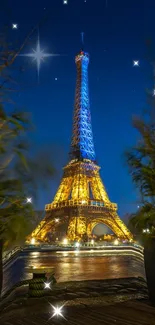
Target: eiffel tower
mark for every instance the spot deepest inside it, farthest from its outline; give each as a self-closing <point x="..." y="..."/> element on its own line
<point x="81" y="201"/>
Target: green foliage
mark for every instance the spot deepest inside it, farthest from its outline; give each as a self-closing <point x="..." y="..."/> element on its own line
<point x="21" y="174"/>
<point x="140" y="160"/>
<point x="144" y="218"/>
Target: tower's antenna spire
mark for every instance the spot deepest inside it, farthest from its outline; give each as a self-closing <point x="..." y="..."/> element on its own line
<point x="82" y="39"/>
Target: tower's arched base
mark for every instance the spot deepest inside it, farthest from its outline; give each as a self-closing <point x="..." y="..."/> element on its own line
<point x="76" y="222"/>
<point x="80" y="203"/>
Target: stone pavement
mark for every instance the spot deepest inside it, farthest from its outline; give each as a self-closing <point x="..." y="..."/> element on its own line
<point x="108" y="302"/>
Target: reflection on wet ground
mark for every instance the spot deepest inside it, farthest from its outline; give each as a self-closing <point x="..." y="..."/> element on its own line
<point x="75" y="266"/>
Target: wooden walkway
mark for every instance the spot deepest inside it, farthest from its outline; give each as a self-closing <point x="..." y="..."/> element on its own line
<point x="126" y="313"/>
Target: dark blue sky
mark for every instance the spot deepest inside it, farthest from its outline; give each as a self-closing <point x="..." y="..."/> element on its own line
<point x="115" y="35"/>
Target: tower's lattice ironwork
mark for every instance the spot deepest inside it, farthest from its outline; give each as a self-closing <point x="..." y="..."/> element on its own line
<point x="81" y="201"/>
<point x="82" y="145"/>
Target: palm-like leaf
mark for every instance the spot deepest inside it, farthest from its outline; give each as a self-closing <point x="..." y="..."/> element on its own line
<point x="141" y="164"/>
<point x="21" y="175"/>
<point x="144" y="217"/>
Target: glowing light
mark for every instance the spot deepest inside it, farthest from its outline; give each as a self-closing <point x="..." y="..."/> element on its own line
<point x="116" y="242"/>
<point x="57" y="311"/>
<point x="92" y="241"/>
<point x="83" y="201"/>
<point x="147" y="230"/>
<point x="56" y="79"/>
<point x="47" y="285"/>
<point x="57" y="220"/>
<point x="65" y="241"/>
<point x="14" y="26"/>
<point x="38" y="55"/>
<point x="33" y="241"/>
<point x="29" y="200"/>
<point x="153" y="92"/>
<point x="65" y="2"/>
<point x="136" y="63"/>
<point x="77" y="244"/>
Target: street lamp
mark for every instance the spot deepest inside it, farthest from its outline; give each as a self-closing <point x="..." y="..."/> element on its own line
<point x="147" y="230"/>
<point x="116" y="242"/>
<point x="65" y="241"/>
<point x="33" y="241"/>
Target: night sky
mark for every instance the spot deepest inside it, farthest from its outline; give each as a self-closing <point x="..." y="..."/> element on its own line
<point x="115" y="35"/>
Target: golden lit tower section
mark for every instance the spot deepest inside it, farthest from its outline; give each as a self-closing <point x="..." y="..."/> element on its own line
<point x="81" y="201"/>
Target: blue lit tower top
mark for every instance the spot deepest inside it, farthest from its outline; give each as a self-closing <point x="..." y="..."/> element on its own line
<point x="82" y="145"/>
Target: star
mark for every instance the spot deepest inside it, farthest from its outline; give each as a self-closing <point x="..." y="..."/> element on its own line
<point x="29" y="200"/>
<point x="136" y="63"/>
<point x="47" y="285"/>
<point x="57" y="311"/>
<point x="14" y="26"/>
<point x="38" y="55"/>
<point x="56" y="79"/>
<point x="65" y="2"/>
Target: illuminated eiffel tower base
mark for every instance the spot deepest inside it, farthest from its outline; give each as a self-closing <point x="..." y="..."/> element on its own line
<point x="81" y="201"/>
<point x="74" y="208"/>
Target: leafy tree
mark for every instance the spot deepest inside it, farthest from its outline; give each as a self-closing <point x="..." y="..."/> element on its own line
<point x="20" y="176"/>
<point x="21" y="172"/>
<point x="141" y="165"/>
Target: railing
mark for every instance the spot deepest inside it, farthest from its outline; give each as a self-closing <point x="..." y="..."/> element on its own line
<point x="83" y="202"/>
<point x="10" y="254"/>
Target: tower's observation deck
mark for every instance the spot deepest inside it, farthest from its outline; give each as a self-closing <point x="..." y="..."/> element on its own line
<point x="81" y="201"/>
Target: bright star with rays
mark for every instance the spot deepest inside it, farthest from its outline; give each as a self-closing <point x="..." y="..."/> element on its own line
<point x="38" y="55"/>
<point x="47" y="285"/>
<point x="136" y="63"/>
<point x="14" y="26"/>
<point x="57" y="311"/>
<point x="29" y="200"/>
